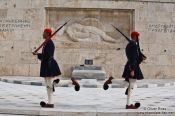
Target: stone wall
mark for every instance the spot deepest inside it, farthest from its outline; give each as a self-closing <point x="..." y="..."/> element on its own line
<point x="88" y="35"/>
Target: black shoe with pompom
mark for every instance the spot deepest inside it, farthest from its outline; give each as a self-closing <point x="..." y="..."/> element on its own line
<point x="109" y="81"/>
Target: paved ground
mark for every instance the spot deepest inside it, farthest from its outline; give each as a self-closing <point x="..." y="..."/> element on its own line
<point x="18" y="99"/>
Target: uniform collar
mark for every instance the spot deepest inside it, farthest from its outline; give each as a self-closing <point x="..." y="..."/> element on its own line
<point x="134" y="41"/>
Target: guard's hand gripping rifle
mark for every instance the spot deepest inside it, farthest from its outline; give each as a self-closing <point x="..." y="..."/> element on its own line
<point x="141" y="55"/>
<point x="49" y="38"/>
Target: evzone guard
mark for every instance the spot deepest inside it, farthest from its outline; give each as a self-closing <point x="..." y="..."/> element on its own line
<point x="49" y="67"/>
<point x="132" y="71"/>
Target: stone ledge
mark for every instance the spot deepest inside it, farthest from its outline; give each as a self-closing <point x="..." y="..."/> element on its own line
<point x="87" y="68"/>
<point x="89" y="83"/>
<point x="60" y="112"/>
<point x="89" y="74"/>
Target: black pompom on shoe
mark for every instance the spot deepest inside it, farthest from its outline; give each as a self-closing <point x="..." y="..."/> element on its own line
<point x="137" y="105"/>
<point x="109" y="81"/>
<point x="105" y="86"/>
<point x="42" y="103"/>
<point x="77" y="86"/>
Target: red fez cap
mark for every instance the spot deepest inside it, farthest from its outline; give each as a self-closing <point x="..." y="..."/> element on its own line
<point x="48" y="30"/>
<point x="135" y="33"/>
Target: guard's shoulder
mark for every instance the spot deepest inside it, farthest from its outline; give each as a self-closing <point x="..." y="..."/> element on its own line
<point x="132" y="43"/>
<point x="50" y="42"/>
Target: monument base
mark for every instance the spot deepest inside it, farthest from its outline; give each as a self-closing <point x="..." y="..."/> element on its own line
<point x="88" y="72"/>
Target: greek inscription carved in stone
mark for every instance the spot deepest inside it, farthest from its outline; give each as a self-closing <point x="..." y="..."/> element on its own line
<point x="10" y="25"/>
<point x="161" y="28"/>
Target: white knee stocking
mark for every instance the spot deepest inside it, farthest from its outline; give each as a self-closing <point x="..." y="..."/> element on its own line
<point x="130" y="89"/>
<point x="49" y="87"/>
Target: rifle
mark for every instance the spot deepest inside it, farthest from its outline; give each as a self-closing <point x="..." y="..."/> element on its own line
<point x="49" y="38"/>
<point x="127" y="38"/>
<point x="141" y="55"/>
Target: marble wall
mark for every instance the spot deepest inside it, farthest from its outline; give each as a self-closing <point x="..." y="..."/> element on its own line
<point x="89" y="34"/>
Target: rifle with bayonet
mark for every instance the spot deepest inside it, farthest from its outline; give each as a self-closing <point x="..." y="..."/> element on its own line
<point x="50" y="37"/>
<point x="142" y="57"/>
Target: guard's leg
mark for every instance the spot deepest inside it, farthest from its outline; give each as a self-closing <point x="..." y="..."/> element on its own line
<point x="130" y="90"/>
<point x="49" y="88"/>
<point x="55" y="82"/>
<point x="107" y="82"/>
<point x="74" y="82"/>
<point x="125" y="84"/>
